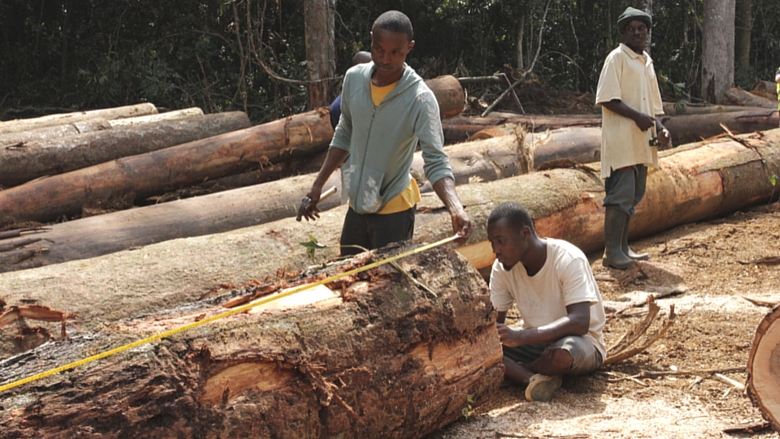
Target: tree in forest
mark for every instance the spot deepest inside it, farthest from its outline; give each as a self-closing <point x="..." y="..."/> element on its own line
<point x="717" y="71"/>
<point x="320" y="49"/>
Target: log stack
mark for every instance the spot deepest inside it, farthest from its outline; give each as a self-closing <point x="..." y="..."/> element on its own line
<point x="382" y="358"/>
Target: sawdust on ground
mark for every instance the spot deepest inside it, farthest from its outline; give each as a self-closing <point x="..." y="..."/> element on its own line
<point x="715" y="327"/>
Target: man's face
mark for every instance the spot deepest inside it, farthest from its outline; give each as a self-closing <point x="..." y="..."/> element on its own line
<point x="389" y="50"/>
<point x="635" y="35"/>
<point x="509" y="244"/>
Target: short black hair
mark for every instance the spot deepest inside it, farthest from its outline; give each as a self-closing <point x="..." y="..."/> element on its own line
<point x="515" y="214"/>
<point x="395" y="21"/>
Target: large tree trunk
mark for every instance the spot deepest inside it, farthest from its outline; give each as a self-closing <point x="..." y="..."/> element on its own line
<point x="695" y="127"/>
<point x="671" y="108"/>
<point x="717" y="73"/>
<point x="168" y="115"/>
<point x="320" y="49"/>
<point x="388" y="360"/>
<point x="167" y="169"/>
<point x="695" y="182"/>
<point x="461" y="129"/>
<point x="743" y="27"/>
<point x="737" y="96"/>
<point x="449" y="94"/>
<point x="484" y="160"/>
<point x="18" y="139"/>
<point x="763" y="374"/>
<point x="14" y="126"/>
<point x="35" y="159"/>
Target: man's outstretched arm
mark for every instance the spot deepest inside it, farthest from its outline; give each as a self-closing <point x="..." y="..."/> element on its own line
<point x="333" y="160"/>
<point x="461" y="223"/>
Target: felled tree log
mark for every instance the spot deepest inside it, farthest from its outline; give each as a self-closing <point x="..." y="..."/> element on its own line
<point x="695" y="182"/>
<point x="449" y="94"/>
<point x="472" y="162"/>
<point x="671" y="109"/>
<point x="168" y="115"/>
<point x="695" y="127"/>
<point x="388" y="360"/>
<point x="31" y="160"/>
<point x="763" y="375"/>
<point x="737" y="96"/>
<point x="17" y="125"/>
<point x="167" y="169"/>
<point x="18" y="139"/>
<point x="460" y="129"/>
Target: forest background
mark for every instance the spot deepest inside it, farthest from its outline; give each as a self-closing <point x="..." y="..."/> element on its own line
<point x="251" y="55"/>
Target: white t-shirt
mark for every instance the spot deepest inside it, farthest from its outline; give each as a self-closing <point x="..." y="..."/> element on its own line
<point x="565" y="279"/>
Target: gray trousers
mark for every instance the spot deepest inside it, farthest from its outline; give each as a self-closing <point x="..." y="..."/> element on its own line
<point x="625" y="188"/>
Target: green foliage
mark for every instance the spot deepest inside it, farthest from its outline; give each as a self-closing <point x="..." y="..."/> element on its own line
<point x="312" y="245"/>
<point x="67" y="54"/>
<point x="467" y="409"/>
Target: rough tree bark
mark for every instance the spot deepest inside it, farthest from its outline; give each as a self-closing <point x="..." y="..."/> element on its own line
<point x="167" y="169"/>
<point x="168" y="115"/>
<point x="17" y="139"/>
<point x="13" y="126"/>
<point x="694" y="127"/>
<point x="743" y="27"/>
<point x="763" y="373"/>
<point x="320" y="49"/>
<point x="717" y="73"/>
<point x="695" y="182"/>
<point x="386" y="359"/>
<point x="35" y="159"/>
<point x="737" y="96"/>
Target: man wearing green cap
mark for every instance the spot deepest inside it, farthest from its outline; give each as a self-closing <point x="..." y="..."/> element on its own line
<point x="630" y="99"/>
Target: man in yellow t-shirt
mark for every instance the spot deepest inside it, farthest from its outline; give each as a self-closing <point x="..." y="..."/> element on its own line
<point x="387" y="111"/>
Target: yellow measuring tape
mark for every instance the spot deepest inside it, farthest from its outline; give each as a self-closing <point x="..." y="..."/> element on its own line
<point x="233" y="311"/>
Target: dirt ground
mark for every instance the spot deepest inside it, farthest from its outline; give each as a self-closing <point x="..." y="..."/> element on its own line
<point x="714" y="329"/>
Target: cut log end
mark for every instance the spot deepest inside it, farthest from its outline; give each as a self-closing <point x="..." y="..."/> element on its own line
<point x="764" y="368"/>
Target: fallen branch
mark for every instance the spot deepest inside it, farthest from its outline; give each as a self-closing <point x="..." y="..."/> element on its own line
<point x="16" y="244"/>
<point x="767" y="260"/>
<point x="737" y="385"/>
<point x="748" y="428"/>
<point x="623" y="350"/>
<point x="655" y="295"/>
<point x="19" y="232"/>
<point x="759" y="302"/>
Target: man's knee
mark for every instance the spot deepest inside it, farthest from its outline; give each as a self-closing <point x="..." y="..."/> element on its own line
<point x="560" y="360"/>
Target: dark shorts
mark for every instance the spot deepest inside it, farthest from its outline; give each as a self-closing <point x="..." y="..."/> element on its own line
<point x="625" y="188"/>
<point x="374" y="230"/>
<point x="586" y="357"/>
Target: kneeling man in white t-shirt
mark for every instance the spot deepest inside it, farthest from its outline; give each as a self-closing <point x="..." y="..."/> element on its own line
<point x="553" y="286"/>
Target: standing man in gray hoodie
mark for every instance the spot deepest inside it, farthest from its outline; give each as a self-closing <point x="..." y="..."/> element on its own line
<point x="386" y="111"/>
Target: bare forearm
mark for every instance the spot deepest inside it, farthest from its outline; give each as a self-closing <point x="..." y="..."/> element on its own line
<point x="642" y="120"/>
<point x="445" y="189"/>
<point x="461" y="223"/>
<point x="333" y="160"/>
<point x="556" y="330"/>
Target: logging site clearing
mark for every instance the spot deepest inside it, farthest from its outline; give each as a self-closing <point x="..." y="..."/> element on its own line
<point x="133" y="260"/>
<point x="720" y="289"/>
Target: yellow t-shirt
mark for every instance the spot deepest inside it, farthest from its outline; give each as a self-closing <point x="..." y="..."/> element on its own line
<point x="411" y="195"/>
